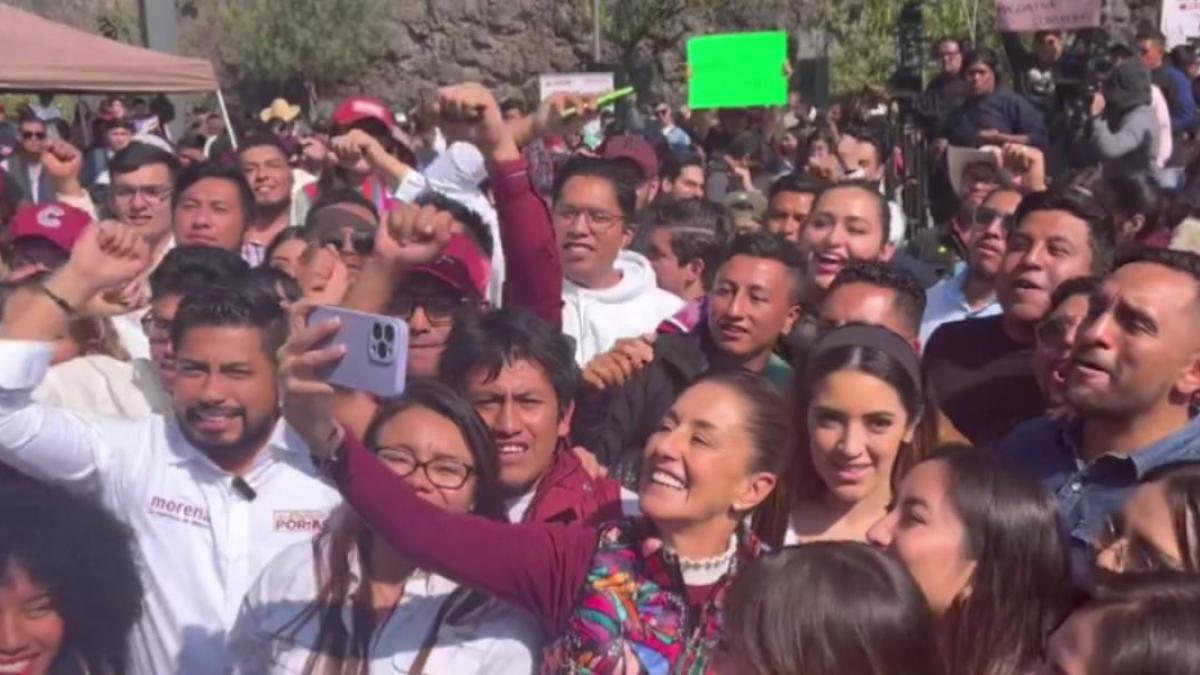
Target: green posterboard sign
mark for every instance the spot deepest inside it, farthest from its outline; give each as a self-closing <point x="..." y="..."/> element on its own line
<point x="736" y="70"/>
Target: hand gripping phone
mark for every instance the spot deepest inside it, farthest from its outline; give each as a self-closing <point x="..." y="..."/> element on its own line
<point x="376" y="351"/>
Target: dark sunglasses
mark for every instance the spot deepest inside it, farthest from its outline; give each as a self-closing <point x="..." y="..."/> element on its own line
<point x="985" y="216"/>
<point x="362" y="242"/>
<point x="40" y="135"/>
<point x="439" y="309"/>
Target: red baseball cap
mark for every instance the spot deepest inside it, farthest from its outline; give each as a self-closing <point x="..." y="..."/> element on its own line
<point x="57" y="223"/>
<point x="636" y="148"/>
<point x="463" y="267"/>
<point x="358" y="108"/>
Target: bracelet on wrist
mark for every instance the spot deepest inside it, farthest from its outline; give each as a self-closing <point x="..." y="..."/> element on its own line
<point x="56" y="299"/>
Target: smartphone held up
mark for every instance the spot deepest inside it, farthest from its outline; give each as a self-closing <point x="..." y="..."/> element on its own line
<point x="376" y="349"/>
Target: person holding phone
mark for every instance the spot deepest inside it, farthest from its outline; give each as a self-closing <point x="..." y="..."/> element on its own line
<point x="714" y="458"/>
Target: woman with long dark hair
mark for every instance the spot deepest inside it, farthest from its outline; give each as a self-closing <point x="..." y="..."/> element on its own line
<point x="983" y="541"/>
<point x="859" y="407"/>
<point x="1137" y="203"/>
<point x="69" y="587"/>
<point x="638" y="594"/>
<point x="349" y="604"/>
<point x="1131" y="624"/>
<point x="1158" y="527"/>
<point x="829" y="608"/>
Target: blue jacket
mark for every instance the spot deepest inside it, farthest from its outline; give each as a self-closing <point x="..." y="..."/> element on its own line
<point x="1089" y="494"/>
<point x="1181" y="103"/>
<point x="1002" y="110"/>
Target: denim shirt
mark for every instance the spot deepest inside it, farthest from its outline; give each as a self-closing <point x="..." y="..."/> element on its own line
<point x="1089" y="492"/>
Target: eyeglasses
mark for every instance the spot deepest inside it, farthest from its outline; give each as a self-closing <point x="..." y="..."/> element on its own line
<point x="153" y="194"/>
<point x="662" y="113"/>
<point x="361" y="241"/>
<point x="156" y="327"/>
<point x="442" y="472"/>
<point x="599" y="221"/>
<point x="27" y="135"/>
<point x="985" y="216"/>
<point x="439" y="309"/>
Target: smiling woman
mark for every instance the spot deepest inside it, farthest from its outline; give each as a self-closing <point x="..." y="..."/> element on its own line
<point x="713" y="459"/>
<point x="69" y="587"/>
<point x="860" y="408"/>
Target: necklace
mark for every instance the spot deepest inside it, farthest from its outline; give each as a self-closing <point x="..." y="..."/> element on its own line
<point x="703" y="571"/>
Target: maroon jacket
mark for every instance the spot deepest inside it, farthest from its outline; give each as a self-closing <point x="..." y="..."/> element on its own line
<point x="533" y="273"/>
<point x="567" y="494"/>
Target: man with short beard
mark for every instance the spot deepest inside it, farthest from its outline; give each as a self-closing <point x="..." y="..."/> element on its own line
<point x="213" y="491"/>
<point x="1133" y="374"/>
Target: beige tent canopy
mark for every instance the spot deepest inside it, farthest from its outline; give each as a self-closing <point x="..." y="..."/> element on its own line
<point x="39" y="54"/>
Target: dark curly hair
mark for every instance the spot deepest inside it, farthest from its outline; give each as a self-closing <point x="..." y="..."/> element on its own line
<point x="84" y="557"/>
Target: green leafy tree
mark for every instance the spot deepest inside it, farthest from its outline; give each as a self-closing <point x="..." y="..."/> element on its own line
<point x="863" y="34"/>
<point x="314" y="43"/>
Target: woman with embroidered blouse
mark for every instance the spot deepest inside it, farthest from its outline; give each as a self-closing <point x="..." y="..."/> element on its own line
<point x="638" y="595"/>
<point x="349" y="604"/>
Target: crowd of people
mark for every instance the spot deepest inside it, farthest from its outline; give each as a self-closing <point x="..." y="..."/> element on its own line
<point x="683" y="394"/>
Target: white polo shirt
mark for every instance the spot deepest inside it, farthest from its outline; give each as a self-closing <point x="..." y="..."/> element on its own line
<point x="201" y="542"/>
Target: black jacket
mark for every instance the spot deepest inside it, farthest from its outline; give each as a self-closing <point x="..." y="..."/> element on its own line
<point x="614" y="424"/>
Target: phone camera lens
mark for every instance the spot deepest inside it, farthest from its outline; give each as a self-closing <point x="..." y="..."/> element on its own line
<point x="377" y="331"/>
<point x="389" y="333"/>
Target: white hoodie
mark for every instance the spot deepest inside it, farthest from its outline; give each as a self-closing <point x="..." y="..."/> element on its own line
<point x="635" y="306"/>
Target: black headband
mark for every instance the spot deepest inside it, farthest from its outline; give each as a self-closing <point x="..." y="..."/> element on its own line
<point x="876" y="337"/>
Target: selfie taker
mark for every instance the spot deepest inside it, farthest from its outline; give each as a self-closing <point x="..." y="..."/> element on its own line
<point x="212" y="492"/>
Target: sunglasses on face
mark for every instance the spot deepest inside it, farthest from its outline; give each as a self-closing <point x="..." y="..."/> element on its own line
<point x="27" y="135"/>
<point x="985" y="216"/>
<point x="439" y="309"/>
<point x="363" y="243"/>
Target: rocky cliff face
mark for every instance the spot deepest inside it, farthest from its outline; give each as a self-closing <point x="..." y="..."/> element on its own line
<point x="505" y="43"/>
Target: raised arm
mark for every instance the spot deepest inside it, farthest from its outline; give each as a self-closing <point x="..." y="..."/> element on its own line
<point x="539" y="567"/>
<point x="42" y="441"/>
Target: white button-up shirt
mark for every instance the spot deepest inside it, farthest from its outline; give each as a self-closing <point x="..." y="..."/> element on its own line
<point x="496" y="639"/>
<point x="945" y="302"/>
<point x="201" y="542"/>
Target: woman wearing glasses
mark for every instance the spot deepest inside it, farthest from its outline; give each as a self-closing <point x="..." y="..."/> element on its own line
<point x="350" y="603"/>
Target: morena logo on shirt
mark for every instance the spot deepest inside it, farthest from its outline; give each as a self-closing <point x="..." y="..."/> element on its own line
<point x="299" y="521"/>
<point x="181" y="511"/>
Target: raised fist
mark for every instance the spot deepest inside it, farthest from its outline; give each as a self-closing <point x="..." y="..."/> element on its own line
<point x="415" y="235"/>
<point x="62" y="160"/>
<point x="107" y="255"/>
<point x="469" y="112"/>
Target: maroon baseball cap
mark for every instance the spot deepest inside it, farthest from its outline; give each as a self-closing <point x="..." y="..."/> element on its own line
<point x="635" y="148"/>
<point x="463" y="267"/>
<point x="57" y="223"/>
<point x="359" y="108"/>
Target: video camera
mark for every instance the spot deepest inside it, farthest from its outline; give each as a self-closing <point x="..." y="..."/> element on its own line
<point x="1082" y="72"/>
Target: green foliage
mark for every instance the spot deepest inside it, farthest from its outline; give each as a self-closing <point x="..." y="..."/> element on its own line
<point x="313" y="42"/>
<point x="118" y="24"/>
<point x="863" y="34"/>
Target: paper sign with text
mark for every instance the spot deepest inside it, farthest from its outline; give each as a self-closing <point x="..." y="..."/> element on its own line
<point x="737" y="70"/>
<point x="1031" y="15"/>
<point x="575" y="83"/>
<point x="1180" y="21"/>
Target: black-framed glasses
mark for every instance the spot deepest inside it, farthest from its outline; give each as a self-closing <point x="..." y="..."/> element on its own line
<point x="361" y="241"/>
<point x="27" y="135"/>
<point x="439" y="309"/>
<point x="154" y="194"/>
<point x="442" y="472"/>
<point x="598" y="221"/>
<point x="985" y="216"/>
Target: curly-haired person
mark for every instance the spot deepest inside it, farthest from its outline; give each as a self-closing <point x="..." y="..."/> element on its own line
<point x="69" y="587"/>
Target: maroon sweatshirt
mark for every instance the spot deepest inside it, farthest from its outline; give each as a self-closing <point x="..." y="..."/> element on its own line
<point x="533" y="273"/>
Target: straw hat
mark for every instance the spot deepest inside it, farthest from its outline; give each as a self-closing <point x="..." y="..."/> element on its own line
<point x="280" y="109"/>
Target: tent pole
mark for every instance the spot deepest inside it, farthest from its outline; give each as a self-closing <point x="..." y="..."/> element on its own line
<point x="225" y="116"/>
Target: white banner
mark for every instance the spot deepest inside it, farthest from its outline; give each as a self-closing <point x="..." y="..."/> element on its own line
<point x="580" y="83"/>
<point x="1180" y="21"/>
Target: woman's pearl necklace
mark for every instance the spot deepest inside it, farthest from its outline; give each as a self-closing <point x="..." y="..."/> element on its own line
<point x="703" y="571"/>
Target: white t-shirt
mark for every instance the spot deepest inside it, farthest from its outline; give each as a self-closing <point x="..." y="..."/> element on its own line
<point x="498" y="639"/>
<point x="200" y="540"/>
<point x="102" y="385"/>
